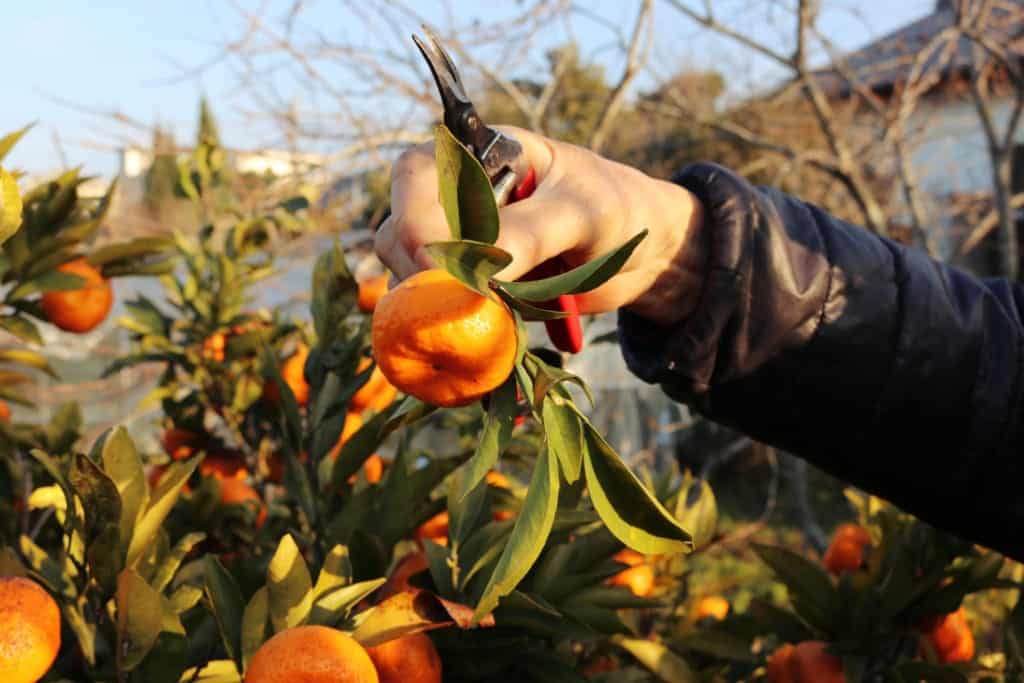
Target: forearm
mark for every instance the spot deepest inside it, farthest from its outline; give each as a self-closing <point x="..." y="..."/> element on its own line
<point x="878" y="365"/>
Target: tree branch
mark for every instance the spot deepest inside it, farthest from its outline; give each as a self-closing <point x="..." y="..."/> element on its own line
<point x="634" y="59"/>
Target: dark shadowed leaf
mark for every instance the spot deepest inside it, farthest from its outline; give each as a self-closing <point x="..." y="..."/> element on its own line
<point x="226" y="598"/>
<point x="811" y="591"/>
<point x="530" y="533"/>
<point x="661" y="661"/>
<point x="334" y="294"/>
<point x="102" y="507"/>
<point x="497" y="430"/>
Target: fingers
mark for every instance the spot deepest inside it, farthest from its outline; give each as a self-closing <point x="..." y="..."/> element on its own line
<point x="533" y="230"/>
<point x="538" y="151"/>
<point x="416" y="219"/>
<point x="536" y="230"/>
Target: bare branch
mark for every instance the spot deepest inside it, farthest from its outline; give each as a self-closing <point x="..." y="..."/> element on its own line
<point x="634" y="60"/>
<point x="707" y="20"/>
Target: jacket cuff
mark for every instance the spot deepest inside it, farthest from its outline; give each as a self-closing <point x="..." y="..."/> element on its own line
<point x="682" y="357"/>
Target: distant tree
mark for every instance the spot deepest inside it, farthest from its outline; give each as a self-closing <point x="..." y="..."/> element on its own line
<point x="162" y="175"/>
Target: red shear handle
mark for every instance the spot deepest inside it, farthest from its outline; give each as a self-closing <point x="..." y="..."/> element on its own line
<point x="565" y="333"/>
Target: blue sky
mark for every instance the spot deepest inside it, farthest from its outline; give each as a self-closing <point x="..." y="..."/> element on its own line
<point x="119" y="55"/>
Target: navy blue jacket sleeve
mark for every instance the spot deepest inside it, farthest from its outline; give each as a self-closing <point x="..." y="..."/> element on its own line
<point x="870" y="360"/>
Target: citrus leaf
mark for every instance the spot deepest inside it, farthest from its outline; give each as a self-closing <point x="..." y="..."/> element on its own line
<point x="161" y="501"/>
<point x="401" y="614"/>
<point x="564" y="435"/>
<point x="584" y="278"/>
<point x="226" y="599"/>
<point x="530" y="533"/>
<point x="122" y="464"/>
<point x="528" y="311"/>
<point x="102" y="506"/>
<point x="471" y="263"/>
<point x="335" y="572"/>
<point x="8" y="141"/>
<point x="29" y="358"/>
<point x="464" y="190"/>
<point x="135" y="248"/>
<point x="464" y="509"/>
<point x="335" y="605"/>
<point x="334" y="294"/>
<point x="661" y="661"/>
<point x="628" y="509"/>
<point x="21" y="327"/>
<point x="215" y="671"/>
<point x="408" y="412"/>
<point x="10" y="206"/>
<point x="139" y="619"/>
<point x="290" y="586"/>
<point x="360" y="446"/>
<point x="255" y="620"/>
<point x="53" y="281"/>
<point x="547" y="377"/>
<point x="83" y="630"/>
<point x="697" y="511"/>
<point x="811" y="590"/>
<point x="498" y="424"/>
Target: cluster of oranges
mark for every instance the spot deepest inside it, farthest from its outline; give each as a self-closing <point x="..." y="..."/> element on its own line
<point x="949" y="635"/>
<point x="318" y="654"/>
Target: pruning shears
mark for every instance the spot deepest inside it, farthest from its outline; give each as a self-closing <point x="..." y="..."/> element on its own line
<point x="511" y="177"/>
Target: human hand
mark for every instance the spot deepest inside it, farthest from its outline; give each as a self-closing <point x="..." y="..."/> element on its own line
<point x="584" y="205"/>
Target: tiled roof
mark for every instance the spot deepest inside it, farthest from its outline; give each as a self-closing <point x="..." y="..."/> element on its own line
<point x="888" y="61"/>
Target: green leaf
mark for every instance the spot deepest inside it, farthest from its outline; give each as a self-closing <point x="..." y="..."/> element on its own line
<point x="811" y="591"/>
<point x="530" y="533"/>
<point x="528" y="311"/>
<point x="289" y="585"/>
<point x="336" y="604"/>
<point x="471" y="263"/>
<point x="52" y="281"/>
<point x="464" y="509"/>
<point x="584" y="278"/>
<point x="29" y="358"/>
<point x="334" y="294"/>
<point x="123" y="465"/>
<point x="8" y="141"/>
<point x="547" y="377"/>
<point x="628" y="509"/>
<point x="226" y="599"/>
<point x="21" y="327"/>
<point x="697" y="511"/>
<point x="139" y="619"/>
<point x="494" y="436"/>
<point x="160" y="503"/>
<point x="661" y="661"/>
<point x="216" y="671"/>
<point x="335" y="572"/>
<point x="132" y="249"/>
<point x="357" y="449"/>
<point x="10" y="206"/>
<point x="83" y="629"/>
<point x="564" y="435"/>
<point x="255" y="623"/>
<point x="465" y="190"/>
<point x="102" y="506"/>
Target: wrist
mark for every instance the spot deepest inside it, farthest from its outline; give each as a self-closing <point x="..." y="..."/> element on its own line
<point x="681" y="259"/>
